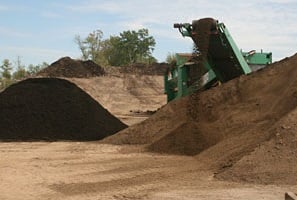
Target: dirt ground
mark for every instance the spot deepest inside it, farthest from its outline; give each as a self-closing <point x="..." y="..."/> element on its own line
<point x="88" y="170"/>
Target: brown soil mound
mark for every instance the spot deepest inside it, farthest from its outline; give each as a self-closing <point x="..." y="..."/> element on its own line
<point x="234" y="129"/>
<point x="138" y="69"/>
<point x="145" y="69"/>
<point x="53" y="109"/>
<point x="67" y="67"/>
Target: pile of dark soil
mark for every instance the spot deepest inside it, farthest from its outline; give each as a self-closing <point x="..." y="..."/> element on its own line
<point x="243" y="130"/>
<point x="67" y="67"/>
<point x="53" y="109"/>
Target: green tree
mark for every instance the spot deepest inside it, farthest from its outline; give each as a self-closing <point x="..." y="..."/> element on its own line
<point x="6" y="68"/>
<point x="91" y="46"/>
<point x="112" y="52"/>
<point x="171" y="59"/>
<point x="127" y="48"/>
<point x="33" y="69"/>
<point x="136" y="46"/>
<point x="20" y="72"/>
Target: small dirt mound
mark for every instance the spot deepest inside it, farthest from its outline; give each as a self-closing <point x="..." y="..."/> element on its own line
<point x="70" y="68"/>
<point x="53" y="109"/>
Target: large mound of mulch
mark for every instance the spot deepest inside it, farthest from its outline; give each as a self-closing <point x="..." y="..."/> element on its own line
<point x="53" y="109"/>
<point x="70" y="68"/>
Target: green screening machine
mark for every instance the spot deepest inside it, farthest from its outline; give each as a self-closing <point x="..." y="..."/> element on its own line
<point x="216" y="59"/>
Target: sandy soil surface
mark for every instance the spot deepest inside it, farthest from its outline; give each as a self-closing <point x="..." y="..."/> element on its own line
<point x="88" y="170"/>
<point x="127" y="96"/>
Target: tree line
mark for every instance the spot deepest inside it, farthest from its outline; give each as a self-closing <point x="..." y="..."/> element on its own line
<point x="11" y="73"/>
<point x="127" y="48"/>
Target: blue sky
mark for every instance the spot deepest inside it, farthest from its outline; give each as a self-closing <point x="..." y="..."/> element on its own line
<point x="40" y="31"/>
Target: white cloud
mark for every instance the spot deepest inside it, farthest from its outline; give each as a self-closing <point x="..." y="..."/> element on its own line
<point x="50" y="15"/>
<point x="9" y="32"/>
